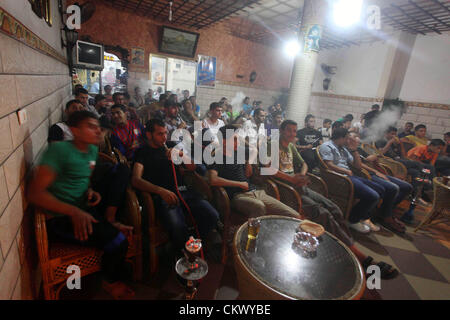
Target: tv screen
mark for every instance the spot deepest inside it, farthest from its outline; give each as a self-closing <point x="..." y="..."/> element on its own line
<point x="89" y="55"/>
<point x="178" y="42"/>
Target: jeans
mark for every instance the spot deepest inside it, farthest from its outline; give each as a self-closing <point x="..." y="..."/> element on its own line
<point x="104" y="237"/>
<point x="368" y="199"/>
<point x="392" y="192"/>
<point x="176" y="219"/>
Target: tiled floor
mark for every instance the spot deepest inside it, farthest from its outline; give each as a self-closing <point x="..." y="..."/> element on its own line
<point x="422" y="258"/>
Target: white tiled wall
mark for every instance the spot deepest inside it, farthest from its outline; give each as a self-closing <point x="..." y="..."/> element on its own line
<point x="40" y="85"/>
<point x="436" y="120"/>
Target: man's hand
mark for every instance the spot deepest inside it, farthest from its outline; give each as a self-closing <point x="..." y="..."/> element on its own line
<point x="82" y="224"/>
<point x="372" y="158"/>
<point x="182" y="125"/>
<point x="93" y="197"/>
<point x="300" y="180"/>
<point x="309" y="146"/>
<point x="126" y="230"/>
<point x="349" y="173"/>
<point x="382" y="176"/>
<point x="243" y="185"/>
<point x="169" y="197"/>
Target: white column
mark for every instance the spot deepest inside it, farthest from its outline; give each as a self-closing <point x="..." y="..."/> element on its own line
<point x="314" y="13"/>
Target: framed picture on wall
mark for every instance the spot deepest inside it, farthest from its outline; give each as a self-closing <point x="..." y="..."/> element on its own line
<point x="206" y="71"/>
<point x="178" y="42"/>
<point x="137" y="56"/>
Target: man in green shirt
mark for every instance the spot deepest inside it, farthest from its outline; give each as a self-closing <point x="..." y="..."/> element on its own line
<point x="60" y="186"/>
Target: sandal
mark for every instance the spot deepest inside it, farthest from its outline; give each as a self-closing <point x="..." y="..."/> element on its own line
<point x="118" y="290"/>
<point x="387" y="271"/>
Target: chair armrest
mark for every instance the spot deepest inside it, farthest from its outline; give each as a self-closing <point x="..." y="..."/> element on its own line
<point x="107" y="158"/>
<point x="222" y="202"/>
<point x="340" y="190"/>
<point x="198" y="183"/>
<point x="41" y="235"/>
<point x="133" y="216"/>
<point x="289" y="196"/>
<point x="148" y="207"/>
<point x="318" y="185"/>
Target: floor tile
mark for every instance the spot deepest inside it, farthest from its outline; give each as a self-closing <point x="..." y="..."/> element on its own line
<point x="429" y="289"/>
<point x="377" y="257"/>
<point x="428" y="245"/>
<point x="441" y="264"/>
<point x="396" y="289"/>
<point x="396" y="241"/>
<point x="413" y="263"/>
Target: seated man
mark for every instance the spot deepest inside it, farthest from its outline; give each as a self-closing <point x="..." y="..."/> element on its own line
<point x="309" y="139"/>
<point x="60" y="186"/>
<point x="326" y="130"/>
<point x="316" y="207"/>
<point x="214" y="122"/>
<point x="82" y="95"/>
<point x="427" y="154"/>
<point x="61" y="131"/>
<point x="442" y="163"/>
<point x="123" y="99"/>
<point x="173" y="120"/>
<point x="127" y="135"/>
<point x="187" y="114"/>
<point x="419" y="138"/>
<point x="153" y="173"/>
<point x="338" y="158"/>
<point x="407" y="130"/>
<point x="234" y="177"/>
<point x="391" y="147"/>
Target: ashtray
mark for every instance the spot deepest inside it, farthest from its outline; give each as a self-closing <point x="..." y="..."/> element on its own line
<point x="305" y="241"/>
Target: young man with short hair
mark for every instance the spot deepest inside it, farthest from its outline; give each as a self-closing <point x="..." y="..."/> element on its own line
<point x="82" y="95"/>
<point x="308" y="139"/>
<point x="214" y="122"/>
<point x="419" y="138"/>
<point x="153" y="173"/>
<point x="407" y="130"/>
<point x="108" y="95"/>
<point x="60" y="186"/>
<point x="427" y="153"/>
<point x="173" y="120"/>
<point x="61" y="131"/>
<point x="234" y="177"/>
<point x="127" y="135"/>
<point x="325" y="131"/>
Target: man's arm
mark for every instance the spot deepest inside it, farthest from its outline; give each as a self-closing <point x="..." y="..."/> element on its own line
<point x="338" y="169"/>
<point x="38" y="195"/>
<point x="216" y="181"/>
<point x="387" y="146"/>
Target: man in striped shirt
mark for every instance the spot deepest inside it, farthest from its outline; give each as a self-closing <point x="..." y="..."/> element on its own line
<point x="127" y="135"/>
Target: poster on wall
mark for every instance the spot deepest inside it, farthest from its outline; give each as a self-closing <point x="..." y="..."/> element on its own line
<point x="137" y="56"/>
<point x="312" y="38"/>
<point x="206" y="71"/>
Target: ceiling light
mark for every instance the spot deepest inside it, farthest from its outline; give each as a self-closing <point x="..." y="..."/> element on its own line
<point x="347" y="12"/>
<point x="292" y="48"/>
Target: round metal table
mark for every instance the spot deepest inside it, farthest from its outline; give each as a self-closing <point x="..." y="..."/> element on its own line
<point x="276" y="271"/>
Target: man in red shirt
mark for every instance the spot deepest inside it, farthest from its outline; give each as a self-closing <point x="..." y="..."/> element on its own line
<point x="127" y="135"/>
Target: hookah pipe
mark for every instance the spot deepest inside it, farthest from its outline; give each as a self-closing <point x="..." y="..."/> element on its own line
<point x="408" y="215"/>
<point x="183" y="202"/>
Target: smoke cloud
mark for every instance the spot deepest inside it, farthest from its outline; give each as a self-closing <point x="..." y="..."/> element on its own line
<point x="384" y="120"/>
<point x="236" y="102"/>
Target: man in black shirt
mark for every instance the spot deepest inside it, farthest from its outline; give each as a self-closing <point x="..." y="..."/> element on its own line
<point x="153" y="173"/>
<point x="234" y="177"/>
<point x="60" y="131"/>
<point x="308" y="140"/>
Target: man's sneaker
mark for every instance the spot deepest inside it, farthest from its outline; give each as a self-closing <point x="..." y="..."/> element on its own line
<point x="360" y="227"/>
<point x="371" y="225"/>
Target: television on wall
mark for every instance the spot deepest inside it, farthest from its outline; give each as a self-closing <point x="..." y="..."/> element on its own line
<point x="88" y="55"/>
<point x="178" y="42"/>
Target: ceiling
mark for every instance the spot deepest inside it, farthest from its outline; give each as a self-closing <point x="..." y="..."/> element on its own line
<point x="272" y="21"/>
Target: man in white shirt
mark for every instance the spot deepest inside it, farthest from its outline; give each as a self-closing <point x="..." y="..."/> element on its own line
<point x="213" y="122"/>
<point x="254" y="128"/>
<point x="326" y="130"/>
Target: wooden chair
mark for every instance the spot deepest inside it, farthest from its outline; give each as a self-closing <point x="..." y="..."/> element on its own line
<point x="340" y="187"/>
<point x="55" y="258"/>
<point x="441" y="203"/>
<point x="392" y="167"/>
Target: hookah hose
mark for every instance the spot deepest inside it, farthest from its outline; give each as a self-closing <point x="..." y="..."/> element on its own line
<point x="185" y="204"/>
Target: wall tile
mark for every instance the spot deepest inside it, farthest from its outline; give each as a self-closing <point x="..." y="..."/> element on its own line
<point x="6" y="145"/>
<point x="4" y="197"/>
<point x="8" y="94"/>
<point x="14" y="169"/>
<point x="9" y="273"/>
<point x="12" y="60"/>
<point x="10" y="222"/>
<point x="426" y="119"/>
